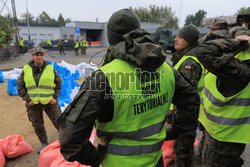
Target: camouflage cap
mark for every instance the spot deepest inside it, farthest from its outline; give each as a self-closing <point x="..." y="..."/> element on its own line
<point x="219" y="23"/>
<point x="238" y="30"/>
<point x="37" y="49"/>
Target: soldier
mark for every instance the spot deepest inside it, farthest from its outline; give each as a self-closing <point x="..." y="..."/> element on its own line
<point x="21" y="45"/>
<point x="225" y="110"/>
<point x="49" y="44"/>
<point x="60" y="46"/>
<point x="76" y="47"/>
<point x="129" y="118"/>
<point x="83" y="46"/>
<point x="187" y="64"/>
<point x="219" y="28"/>
<point x="39" y="85"/>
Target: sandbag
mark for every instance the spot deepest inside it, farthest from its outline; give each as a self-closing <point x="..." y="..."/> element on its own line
<point x="12" y="87"/>
<point x="168" y="151"/>
<point x="50" y="156"/>
<point x="2" y="159"/>
<point x="1" y="77"/>
<point x="14" y="146"/>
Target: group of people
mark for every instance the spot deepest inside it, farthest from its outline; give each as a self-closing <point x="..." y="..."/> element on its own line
<point x="129" y="99"/>
<point x="82" y="45"/>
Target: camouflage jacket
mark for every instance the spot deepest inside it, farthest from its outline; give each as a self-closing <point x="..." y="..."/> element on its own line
<point x="37" y="72"/>
<point x="190" y="69"/>
<point x="89" y="105"/>
<point x="217" y="53"/>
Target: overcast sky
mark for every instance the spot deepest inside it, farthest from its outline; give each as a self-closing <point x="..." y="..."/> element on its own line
<point x="89" y="10"/>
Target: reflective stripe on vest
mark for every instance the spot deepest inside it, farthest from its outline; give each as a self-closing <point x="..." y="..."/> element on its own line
<point x="139" y="134"/>
<point x="134" y="150"/>
<point x="201" y="81"/>
<point x="226" y="118"/>
<point x="45" y="90"/>
<point x="141" y="104"/>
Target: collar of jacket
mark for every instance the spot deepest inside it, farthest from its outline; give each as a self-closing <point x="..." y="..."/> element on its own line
<point x="179" y="54"/>
<point x="138" y="49"/>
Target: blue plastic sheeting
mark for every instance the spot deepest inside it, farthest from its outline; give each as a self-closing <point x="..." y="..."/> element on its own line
<point x="12" y="87"/>
<point x="49" y="62"/>
<point x="76" y="75"/>
<point x="1" y="77"/>
<point x="0" y="83"/>
<point x="68" y="83"/>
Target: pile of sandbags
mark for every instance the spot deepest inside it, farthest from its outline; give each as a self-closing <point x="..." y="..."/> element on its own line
<point x="13" y="146"/>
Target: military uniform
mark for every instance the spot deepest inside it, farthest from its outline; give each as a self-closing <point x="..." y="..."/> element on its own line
<point x="60" y="46"/>
<point x="232" y="76"/>
<point x="185" y="62"/>
<point x="35" y="112"/>
<point x="91" y="103"/>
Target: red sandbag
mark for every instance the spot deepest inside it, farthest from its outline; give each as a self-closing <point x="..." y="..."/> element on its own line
<point x="2" y="159"/>
<point x="50" y="156"/>
<point x="61" y="162"/>
<point x="14" y="146"/>
<point x="168" y="152"/>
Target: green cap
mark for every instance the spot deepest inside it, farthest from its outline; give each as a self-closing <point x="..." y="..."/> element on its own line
<point x="120" y="23"/>
<point x="190" y="33"/>
<point x="219" y="23"/>
<point x="238" y="30"/>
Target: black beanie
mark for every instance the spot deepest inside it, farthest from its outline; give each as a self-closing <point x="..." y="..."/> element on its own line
<point x="120" y="23"/>
<point x="190" y="33"/>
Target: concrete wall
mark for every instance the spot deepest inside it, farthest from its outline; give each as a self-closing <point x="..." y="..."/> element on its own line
<point x="39" y="33"/>
<point x="67" y="32"/>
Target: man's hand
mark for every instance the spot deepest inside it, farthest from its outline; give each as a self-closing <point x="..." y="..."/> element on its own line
<point x="52" y="101"/>
<point x="31" y="103"/>
<point x="97" y="141"/>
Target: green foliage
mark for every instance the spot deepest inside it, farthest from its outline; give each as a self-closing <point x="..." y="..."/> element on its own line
<point x="243" y="10"/>
<point x="6" y="30"/>
<point x="44" y="18"/>
<point x="24" y="18"/>
<point x="61" y="20"/>
<point x="157" y="14"/>
<point x="196" y="19"/>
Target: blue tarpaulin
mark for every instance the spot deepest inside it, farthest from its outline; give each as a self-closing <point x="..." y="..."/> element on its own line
<point x="12" y="87"/>
<point x="1" y="77"/>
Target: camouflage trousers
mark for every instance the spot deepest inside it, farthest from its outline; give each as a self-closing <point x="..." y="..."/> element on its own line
<point x="35" y="115"/>
<point x="83" y="50"/>
<point x="221" y="154"/>
<point x="184" y="149"/>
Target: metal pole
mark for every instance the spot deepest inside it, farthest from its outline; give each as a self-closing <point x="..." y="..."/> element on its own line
<point x="16" y="27"/>
<point x="180" y="14"/>
<point x="28" y="23"/>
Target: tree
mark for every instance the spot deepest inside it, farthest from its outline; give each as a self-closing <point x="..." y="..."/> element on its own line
<point x="196" y="19"/>
<point x="25" y="16"/>
<point x="61" y="20"/>
<point x="156" y="14"/>
<point x="6" y="30"/>
<point x="243" y="10"/>
<point x="44" y="18"/>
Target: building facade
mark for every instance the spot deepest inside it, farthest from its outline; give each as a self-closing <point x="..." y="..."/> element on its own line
<point x="90" y="31"/>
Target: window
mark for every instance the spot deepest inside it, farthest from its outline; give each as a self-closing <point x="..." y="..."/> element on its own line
<point x="71" y="36"/>
<point x="65" y="36"/>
